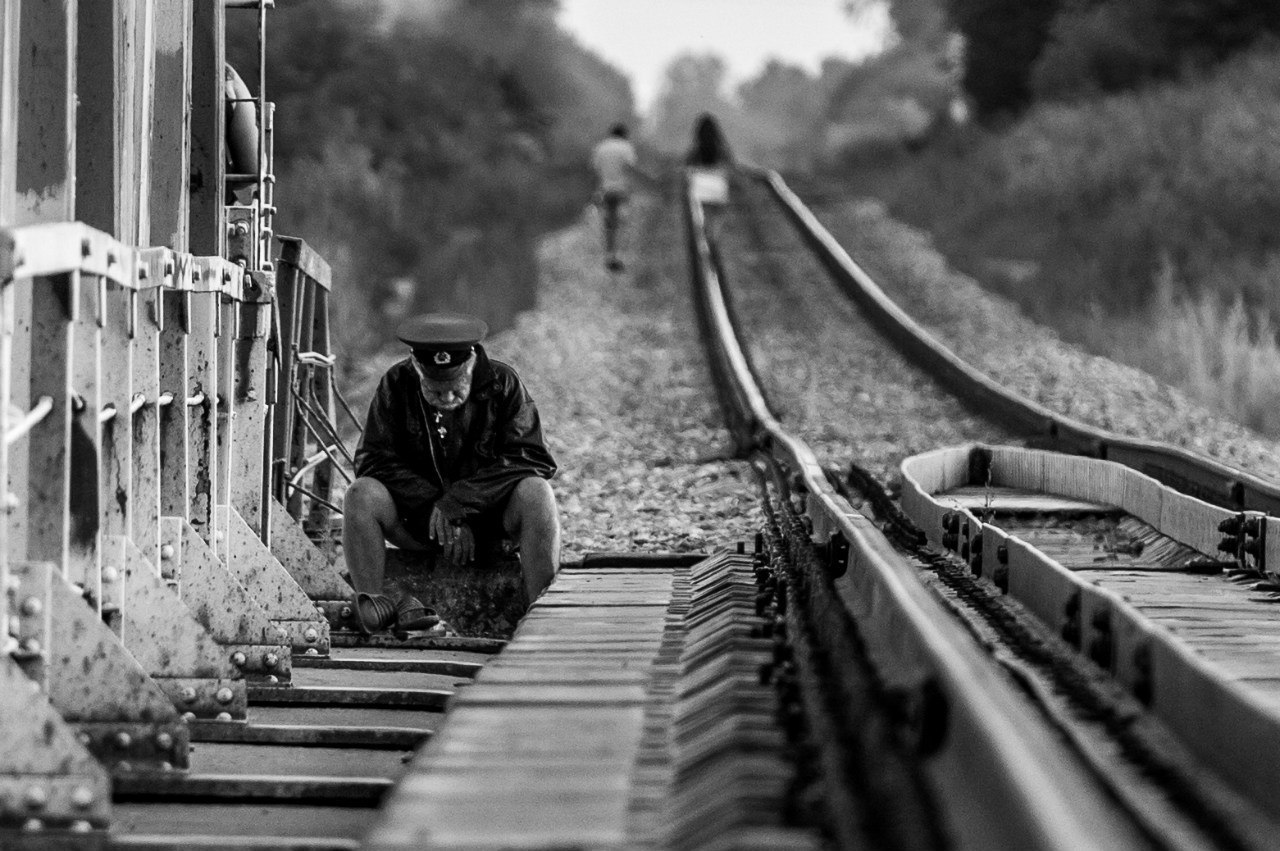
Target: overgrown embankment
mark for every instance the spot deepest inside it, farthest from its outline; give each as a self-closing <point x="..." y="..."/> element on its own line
<point x="1140" y="224"/>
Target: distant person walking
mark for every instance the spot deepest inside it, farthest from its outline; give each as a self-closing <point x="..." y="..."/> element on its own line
<point x="708" y="162"/>
<point x="614" y="160"/>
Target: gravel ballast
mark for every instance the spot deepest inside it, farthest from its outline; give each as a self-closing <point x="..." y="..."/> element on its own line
<point x="618" y="373"/>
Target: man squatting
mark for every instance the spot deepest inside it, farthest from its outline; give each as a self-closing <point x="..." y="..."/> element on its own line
<point x="452" y="454"/>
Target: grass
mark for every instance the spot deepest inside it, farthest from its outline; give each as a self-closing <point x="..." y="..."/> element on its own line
<point x="1141" y="225"/>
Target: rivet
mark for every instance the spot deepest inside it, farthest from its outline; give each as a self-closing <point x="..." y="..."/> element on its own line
<point x="124" y="766"/>
<point x="219" y="535"/>
<point x="166" y="552"/>
<point x="282" y="634"/>
<point x="188" y="694"/>
<point x="166" y="766"/>
<point x="122" y="740"/>
<point x="311" y="634"/>
<point x="224" y="716"/>
<point x="82" y="797"/>
<point x="81" y="826"/>
<point x="36" y="797"/>
<point x="238" y="659"/>
<point x="110" y="574"/>
<point x="272" y="678"/>
<point x="346" y="612"/>
<point x="84" y="738"/>
<point x="223" y="695"/>
<point x="311" y="651"/>
<point x="322" y="611"/>
<point x="11" y="501"/>
<point x="32" y="607"/>
<point x="188" y="716"/>
<point x="33" y="824"/>
<point x="164" y="741"/>
<point x="270" y="660"/>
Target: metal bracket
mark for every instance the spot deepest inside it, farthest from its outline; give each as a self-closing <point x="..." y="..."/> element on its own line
<point x="308" y="565"/>
<point x="88" y="675"/>
<point x="48" y="780"/>
<point x="274" y="588"/>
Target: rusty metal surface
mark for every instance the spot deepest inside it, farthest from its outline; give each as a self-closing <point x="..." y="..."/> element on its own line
<point x="308" y="735"/>
<point x="421" y="698"/>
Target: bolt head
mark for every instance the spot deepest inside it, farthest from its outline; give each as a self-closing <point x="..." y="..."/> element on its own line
<point x="311" y="651"/>
<point x="224" y="716"/>
<point x="122" y="740"/>
<point x="270" y="660"/>
<point x="346" y="613"/>
<point x="188" y="716"/>
<point x="238" y="659"/>
<point x="188" y="694"/>
<point x="167" y="552"/>
<point x="82" y="797"/>
<point x="36" y="797"/>
<point x="32" y="607"/>
<point x="110" y="574"/>
<point x="84" y="738"/>
<point x="123" y="766"/>
<point x="223" y="695"/>
<point x="164" y="741"/>
<point x="272" y="678"/>
<point x="33" y="824"/>
<point x="81" y="826"/>
<point x="166" y="765"/>
<point x="311" y="634"/>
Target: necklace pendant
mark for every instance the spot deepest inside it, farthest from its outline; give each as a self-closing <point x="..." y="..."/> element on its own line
<point x="441" y="431"/>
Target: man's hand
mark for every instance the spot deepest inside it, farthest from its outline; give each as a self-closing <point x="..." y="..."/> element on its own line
<point x="463" y="548"/>
<point x="457" y="542"/>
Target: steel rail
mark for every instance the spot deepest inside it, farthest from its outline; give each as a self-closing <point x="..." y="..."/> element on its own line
<point x="1021" y="801"/>
<point x="1182" y="469"/>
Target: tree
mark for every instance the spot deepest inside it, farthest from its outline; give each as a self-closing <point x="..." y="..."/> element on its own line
<point x="1003" y="39"/>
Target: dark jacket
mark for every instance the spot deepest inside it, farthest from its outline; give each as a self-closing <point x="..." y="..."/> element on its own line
<point x="501" y="444"/>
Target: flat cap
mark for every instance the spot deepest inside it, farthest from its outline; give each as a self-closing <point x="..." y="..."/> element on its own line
<point x="442" y="342"/>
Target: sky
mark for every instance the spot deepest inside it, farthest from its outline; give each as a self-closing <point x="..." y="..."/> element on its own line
<point x="642" y="36"/>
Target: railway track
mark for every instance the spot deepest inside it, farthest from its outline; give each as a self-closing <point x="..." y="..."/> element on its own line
<point x="1060" y="630"/>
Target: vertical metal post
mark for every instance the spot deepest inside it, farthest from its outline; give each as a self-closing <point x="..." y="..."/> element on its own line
<point x="298" y="440"/>
<point x="175" y="431"/>
<point x="44" y="170"/>
<point x="144" y="102"/>
<point x="202" y="384"/>
<point x="99" y="136"/>
<point x="250" y="424"/>
<point x="117" y="490"/>
<point x="83" y="565"/>
<point x="170" y="159"/>
<point x="322" y="482"/>
<point x="145" y="497"/>
<point x="54" y="302"/>
<point x="46" y="162"/>
<point x="9" y="14"/>
<point x="228" y="329"/>
<point x="208" y="231"/>
<point x="288" y="285"/>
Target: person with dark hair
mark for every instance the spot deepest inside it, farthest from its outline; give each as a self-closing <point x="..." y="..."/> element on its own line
<point x="708" y="163"/>
<point x="709" y="148"/>
<point x="452" y="455"/>
<point x="614" y="161"/>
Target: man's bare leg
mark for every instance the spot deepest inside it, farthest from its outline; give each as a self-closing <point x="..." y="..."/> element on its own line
<point x="532" y="517"/>
<point x="369" y="520"/>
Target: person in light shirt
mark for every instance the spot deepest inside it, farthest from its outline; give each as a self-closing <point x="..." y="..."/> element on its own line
<point x="614" y="161"/>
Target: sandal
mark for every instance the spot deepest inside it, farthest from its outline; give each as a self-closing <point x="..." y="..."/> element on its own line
<point x="374" y="612"/>
<point x="412" y="615"/>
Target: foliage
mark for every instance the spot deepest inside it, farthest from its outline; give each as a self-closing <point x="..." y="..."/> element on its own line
<point x="1078" y="209"/>
<point x="1003" y="39"/>
<point x="423" y="148"/>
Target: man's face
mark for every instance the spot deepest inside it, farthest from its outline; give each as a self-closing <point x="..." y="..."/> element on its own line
<point x="445" y="395"/>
